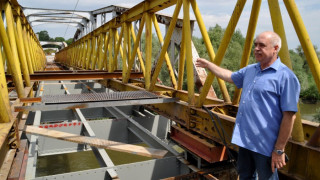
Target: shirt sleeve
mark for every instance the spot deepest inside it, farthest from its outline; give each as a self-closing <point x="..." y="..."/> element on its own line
<point x="238" y="77"/>
<point x="290" y="92"/>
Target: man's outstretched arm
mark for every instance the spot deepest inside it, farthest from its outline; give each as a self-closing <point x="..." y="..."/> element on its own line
<point x="220" y="72"/>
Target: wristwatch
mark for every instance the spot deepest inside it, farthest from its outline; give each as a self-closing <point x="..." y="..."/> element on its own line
<point x="278" y="151"/>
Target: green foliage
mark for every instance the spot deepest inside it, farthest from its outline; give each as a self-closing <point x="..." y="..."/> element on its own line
<point x="59" y="39"/>
<point x="310" y="94"/>
<point x="43" y="36"/>
<point x="69" y="41"/>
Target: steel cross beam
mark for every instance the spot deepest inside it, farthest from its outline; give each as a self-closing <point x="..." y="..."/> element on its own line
<point x="77" y="76"/>
<point x="102" y="156"/>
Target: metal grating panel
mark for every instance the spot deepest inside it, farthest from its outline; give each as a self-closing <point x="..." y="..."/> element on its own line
<point x="94" y="97"/>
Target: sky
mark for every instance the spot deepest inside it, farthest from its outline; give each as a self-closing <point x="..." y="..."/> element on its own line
<point x="213" y="12"/>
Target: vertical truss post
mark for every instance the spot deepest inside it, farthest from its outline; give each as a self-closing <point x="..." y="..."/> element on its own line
<point x="94" y="53"/>
<point x="297" y="131"/>
<point x="221" y="52"/>
<point x="118" y="47"/>
<point x="4" y="97"/>
<point x="166" y="57"/>
<point x="89" y="51"/>
<point x="13" y="61"/>
<point x="148" y="49"/>
<point x="138" y="49"/>
<point x="21" y="52"/>
<point x="182" y="58"/>
<point x="248" y="43"/>
<point x="307" y="46"/>
<point x="165" y="44"/>
<point x="26" y="49"/>
<point x="189" y="63"/>
<point x="134" y="50"/>
<point x="106" y="45"/>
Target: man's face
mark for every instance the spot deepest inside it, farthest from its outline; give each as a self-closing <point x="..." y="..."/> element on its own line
<point x="264" y="51"/>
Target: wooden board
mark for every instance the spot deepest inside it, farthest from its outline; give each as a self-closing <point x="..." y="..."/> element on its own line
<point x="101" y="143"/>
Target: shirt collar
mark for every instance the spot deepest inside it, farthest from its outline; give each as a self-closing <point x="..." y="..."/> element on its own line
<point x="275" y="65"/>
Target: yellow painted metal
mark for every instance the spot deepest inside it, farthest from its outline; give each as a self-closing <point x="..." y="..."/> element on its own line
<point x="165" y="44"/>
<point x="189" y="63"/>
<point x="148" y="50"/>
<point x="94" y="53"/>
<point x="166" y="56"/>
<point x="89" y="48"/>
<point x="182" y="57"/>
<point x="126" y="34"/>
<point x="118" y="47"/>
<point x="106" y="47"/>
<point x="12" y="60"/>
<point x="276" y="17"/>
<point x="307" y="46"/>
<point x="98" y="55"/>
<point x="135" y="49"/>
<point x="248" y="43"/>
<point x="110" y="48"/>
<point x="21" y="50"/>
<point x="222" y="49"/>
<point x="4" y="97"/>
<point x="138" y="50"/>
<point x="27" y="51"/>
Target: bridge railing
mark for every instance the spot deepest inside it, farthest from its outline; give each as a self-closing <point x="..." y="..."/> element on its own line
<point x="100" y="49"/>
<point x="20" y="53"/>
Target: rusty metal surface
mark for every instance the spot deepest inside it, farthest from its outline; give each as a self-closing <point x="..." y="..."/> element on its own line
<point x="93" y="97"/>
<point x="77" y="76"/>
<point x="202" y="148"/>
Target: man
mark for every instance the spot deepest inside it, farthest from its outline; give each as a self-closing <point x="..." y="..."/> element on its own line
<point x="270" y="93"/>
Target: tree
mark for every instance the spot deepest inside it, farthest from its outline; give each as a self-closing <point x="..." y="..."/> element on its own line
<point x="59" y="39"/>
<point x="43" y="35"/>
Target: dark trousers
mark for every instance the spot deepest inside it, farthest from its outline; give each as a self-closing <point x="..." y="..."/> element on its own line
<point x="252" y="166"/>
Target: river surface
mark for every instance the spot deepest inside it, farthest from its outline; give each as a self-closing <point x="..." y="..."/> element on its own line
<point x="308" y="111"/>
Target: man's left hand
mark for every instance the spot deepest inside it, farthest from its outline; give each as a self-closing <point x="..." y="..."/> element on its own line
<point x="277" y="161"/>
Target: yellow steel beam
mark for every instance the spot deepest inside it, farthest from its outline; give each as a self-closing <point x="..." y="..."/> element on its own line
<point x="135" y="48"/>
<point x="138" y="52"/>
<point x="189" y="63"/>
<point x="276" y="17"/>
<point x="21" y="50"/>
<point x="182" y="57"/>
<point x="125" y="58"/>
<point x="248" y="43"/>
<point x="148" y="50"/>
<point x="106" y="47"/>
<point x="166" y="56"/>
<point x="165" y="44"/>
<point x="307" y="46"/>
<point x="12" y="60"/>
<point x="118" y="47"/>
<point x="4" y="97"/>
<point x="94" y="53"/>
<point x="222" y="49"/>
<point x="27" y="51"/>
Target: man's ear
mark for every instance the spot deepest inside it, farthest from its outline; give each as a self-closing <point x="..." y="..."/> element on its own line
<point x="276" y="47"/>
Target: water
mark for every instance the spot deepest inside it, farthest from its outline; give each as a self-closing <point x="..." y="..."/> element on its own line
<point x="79" y="161"/>
<point x="308" y="110"/>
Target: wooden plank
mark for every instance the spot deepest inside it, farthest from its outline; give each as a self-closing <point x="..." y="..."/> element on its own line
<point x="6" y="166"/>
<point x="30" y="100"/>
<point x="101" y="143"/>
<point x="18" y="160"/>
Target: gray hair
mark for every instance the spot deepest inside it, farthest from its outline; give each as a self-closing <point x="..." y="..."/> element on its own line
<point x="275" y="39"/>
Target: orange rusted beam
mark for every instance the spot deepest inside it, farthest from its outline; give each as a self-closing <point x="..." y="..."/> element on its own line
<point x="77" y="76"/>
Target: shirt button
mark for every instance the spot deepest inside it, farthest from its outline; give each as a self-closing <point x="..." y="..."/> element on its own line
<point x="243" y="102"/>
<point x="254" y="81"/>
<point x="249" y="91"/>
